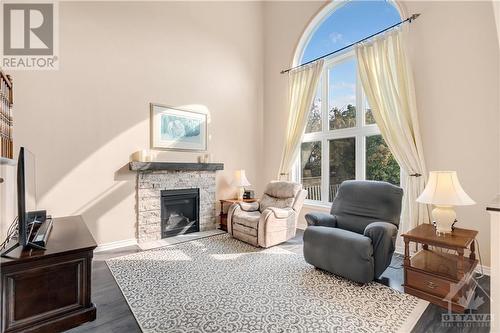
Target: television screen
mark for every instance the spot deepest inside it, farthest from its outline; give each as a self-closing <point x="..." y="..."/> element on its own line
<point x="26" y="191"/>
<point x="29" y="181"/>
<point x="26" y="202"/>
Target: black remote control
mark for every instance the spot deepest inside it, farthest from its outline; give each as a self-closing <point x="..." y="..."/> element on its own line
<point x="43" y="233"/>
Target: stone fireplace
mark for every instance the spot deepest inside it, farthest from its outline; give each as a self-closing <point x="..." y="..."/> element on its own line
<point x="189" y="186"/>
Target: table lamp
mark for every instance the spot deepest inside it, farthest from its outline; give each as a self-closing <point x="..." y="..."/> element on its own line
<point x="240" y="180"/>
<point x="443" y="190"/>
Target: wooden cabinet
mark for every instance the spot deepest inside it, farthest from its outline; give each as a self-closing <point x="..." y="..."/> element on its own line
<point x="442" y="275"/>
<point x="49" y="291"/>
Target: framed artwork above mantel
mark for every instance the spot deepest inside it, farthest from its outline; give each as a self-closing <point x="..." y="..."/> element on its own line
<point x="177" y="129"/>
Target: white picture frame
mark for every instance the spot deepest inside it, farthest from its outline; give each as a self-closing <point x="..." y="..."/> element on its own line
<point x="178" y="129"/>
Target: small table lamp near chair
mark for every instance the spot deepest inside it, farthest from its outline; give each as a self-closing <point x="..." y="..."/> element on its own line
<point x="443" y="190"/>
<point x="240" y="180"/>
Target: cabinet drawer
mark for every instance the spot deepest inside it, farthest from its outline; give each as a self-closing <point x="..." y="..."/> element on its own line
<point x="427" y="283"/>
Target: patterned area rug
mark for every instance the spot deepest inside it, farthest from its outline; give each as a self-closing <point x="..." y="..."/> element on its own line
<point x="219" y="284"/>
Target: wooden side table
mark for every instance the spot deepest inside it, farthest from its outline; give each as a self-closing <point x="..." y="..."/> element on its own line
<point x="439" y="276"/>
<point x="223" y="214"/>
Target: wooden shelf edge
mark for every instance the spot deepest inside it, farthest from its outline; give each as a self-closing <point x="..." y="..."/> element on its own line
<point x="438" y="275"/>
<point x="469" y="264"/>
<point x="426" y="234"/>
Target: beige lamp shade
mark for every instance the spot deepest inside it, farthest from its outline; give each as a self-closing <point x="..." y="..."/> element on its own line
<point x="240" y="179"/>
<point x="444" y="189"/>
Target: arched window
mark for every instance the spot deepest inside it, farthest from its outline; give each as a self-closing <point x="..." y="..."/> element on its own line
<point x="342" y="140"/>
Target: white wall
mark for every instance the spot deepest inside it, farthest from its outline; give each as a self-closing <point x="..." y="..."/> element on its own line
<point x="455" y="58"/>
<point x="84" y="120"/>
<point x="454" y="54"/>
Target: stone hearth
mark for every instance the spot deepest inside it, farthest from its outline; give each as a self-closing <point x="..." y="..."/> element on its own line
<point x="149" y="187"/>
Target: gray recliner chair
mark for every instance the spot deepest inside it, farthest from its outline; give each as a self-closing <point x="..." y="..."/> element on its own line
<point x="357" y="239"/>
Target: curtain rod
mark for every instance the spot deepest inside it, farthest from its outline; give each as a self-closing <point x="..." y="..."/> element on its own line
<point x="409" y="20"/>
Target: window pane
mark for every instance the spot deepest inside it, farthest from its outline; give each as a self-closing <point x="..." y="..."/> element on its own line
<point x="314" y="121"/>
<point x="342" y="163"/>
<point x="348" y="23"/>
<point x="342" y="95"/>
<point x="310" y="164"/>
<point x="380" y="164"/>
<point x="369" y="120"/>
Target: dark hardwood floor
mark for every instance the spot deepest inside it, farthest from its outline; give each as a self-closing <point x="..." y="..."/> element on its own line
<point x="114" y="315"/>
<point x="113" y="312"/>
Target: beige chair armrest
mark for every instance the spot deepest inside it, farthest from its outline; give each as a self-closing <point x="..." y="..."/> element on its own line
<point x="233" y="209"/>
<point x="281" y="213"/>
<point x="276" y="225"/>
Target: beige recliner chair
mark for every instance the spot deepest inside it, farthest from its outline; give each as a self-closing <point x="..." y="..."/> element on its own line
<point x="271" y="221"/>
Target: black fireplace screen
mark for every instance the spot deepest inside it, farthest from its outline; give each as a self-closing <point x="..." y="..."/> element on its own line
<point x="180" y="211"/>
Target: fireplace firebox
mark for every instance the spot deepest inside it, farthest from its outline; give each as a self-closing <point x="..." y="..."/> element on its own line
<point x="180" y="211"/>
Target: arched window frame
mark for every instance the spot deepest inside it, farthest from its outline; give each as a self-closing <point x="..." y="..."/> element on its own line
<point x="320" y="17"/>
<point x="360" y="132"/>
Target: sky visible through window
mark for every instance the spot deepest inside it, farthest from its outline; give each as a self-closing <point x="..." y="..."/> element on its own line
<point x="349" y="22"/>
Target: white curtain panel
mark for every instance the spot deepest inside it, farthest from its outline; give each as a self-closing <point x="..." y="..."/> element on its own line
<point x="303" y="83"/>
<point x="388" y="83"/>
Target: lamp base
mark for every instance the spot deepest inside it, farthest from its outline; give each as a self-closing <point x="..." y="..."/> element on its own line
<point x="241" y="191"/>
<point x="444" y="217"/>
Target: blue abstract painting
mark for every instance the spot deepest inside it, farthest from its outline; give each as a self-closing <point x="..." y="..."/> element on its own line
<point x="178" y="129"/>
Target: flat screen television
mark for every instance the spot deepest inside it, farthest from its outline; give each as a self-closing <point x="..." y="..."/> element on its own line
<point x="26" y="201"/>
<point x="26" y="192"/>
<point x="21" y="201"/>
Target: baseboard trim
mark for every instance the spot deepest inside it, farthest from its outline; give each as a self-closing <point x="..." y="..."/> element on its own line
<point x="116" y="245"/>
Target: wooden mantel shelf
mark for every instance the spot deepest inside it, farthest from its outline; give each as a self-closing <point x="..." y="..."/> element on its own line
<point x="174" y="166"/>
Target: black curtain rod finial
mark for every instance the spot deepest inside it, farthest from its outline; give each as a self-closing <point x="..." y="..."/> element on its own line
<point x="413" y="17"/>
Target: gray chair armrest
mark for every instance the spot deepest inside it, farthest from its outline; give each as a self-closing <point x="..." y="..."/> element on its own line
<point x="249" y="206"/>
<point x="321" y="219"/>
<point x="339" y="251"/>
<point x="383" y="236"/>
